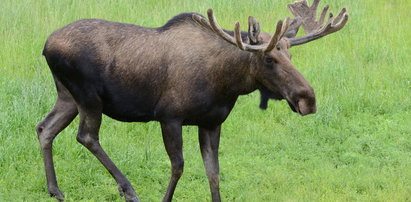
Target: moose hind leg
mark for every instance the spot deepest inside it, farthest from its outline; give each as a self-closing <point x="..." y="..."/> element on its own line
<point x="90" y="121"/>
<point x="63" y="113"/>
<point x="209" y="139"/>
<point x="173" y="142"/>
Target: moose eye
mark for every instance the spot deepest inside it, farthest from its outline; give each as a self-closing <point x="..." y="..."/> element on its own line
<point x="278" y="48"/>
<point x="269" y="60"/>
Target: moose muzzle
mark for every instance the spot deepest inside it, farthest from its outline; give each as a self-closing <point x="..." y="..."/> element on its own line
<point x="303" y="104"/>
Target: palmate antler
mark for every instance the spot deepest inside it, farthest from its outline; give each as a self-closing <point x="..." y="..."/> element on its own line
<point x="315" y="28"/>
<point x="304" y="15"/>
<point x="236" y="40"/>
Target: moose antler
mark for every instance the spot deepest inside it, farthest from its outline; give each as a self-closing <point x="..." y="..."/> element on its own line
<point x="236" y="40"/>
<point x="315" y="28"/>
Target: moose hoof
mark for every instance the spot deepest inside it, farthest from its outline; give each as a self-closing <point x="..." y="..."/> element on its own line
<point x="129" y="193"/>
<point x="57" y="194"/>
<point x="133" y="199"/>
<point x="120" y="190"/>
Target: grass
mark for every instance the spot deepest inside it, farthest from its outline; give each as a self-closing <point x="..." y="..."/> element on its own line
<point x="356" y="148"/>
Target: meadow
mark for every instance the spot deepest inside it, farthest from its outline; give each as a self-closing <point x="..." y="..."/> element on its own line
<point x="357" y="147"/>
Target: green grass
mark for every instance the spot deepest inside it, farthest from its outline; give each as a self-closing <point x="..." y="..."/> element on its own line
<point x="356" y="148"/>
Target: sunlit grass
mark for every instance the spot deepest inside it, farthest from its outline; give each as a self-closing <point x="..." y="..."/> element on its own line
<point x="356" y="148"/>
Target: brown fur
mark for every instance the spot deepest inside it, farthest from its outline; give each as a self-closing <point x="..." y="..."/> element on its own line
<point x="178" y="74"/>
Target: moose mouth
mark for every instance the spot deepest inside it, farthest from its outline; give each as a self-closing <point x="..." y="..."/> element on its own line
<point x="301" y="104"/>
<point x="292" y="107"/>
<point x="302" y="107"/>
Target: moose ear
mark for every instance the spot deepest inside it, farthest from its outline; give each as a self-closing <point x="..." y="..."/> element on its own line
<point x="253" y="30"/>
<point x="293" y="28"/>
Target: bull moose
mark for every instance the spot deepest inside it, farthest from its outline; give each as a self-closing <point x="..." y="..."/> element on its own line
<point x="188" y="72"/>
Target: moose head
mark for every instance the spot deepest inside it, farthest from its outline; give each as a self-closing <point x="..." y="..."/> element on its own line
<point x="272" y="65"/>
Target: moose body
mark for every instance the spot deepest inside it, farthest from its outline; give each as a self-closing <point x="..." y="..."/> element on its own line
<point x="146" y="74"/>
<point x="187" y="72"/>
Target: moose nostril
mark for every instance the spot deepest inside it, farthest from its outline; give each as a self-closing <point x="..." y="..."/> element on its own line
<point x="306" y="101"/>
<point x="39" y="129"/>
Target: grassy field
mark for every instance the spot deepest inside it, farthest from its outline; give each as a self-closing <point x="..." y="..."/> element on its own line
<point x="356" y="148"/>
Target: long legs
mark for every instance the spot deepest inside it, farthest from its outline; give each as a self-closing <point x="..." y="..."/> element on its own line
<point x="60" y="117"/>
<point x="64" y="111"/>
<point x="90" y="120"/>
<point x="209" y="139"/>
<point x="173" y="141"/>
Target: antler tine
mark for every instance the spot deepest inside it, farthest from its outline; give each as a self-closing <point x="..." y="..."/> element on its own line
<point x="285" y="26"/>
<point x="342" y="23"/>
<point x="315" y="4"/>
<point x="243" y="46"/>
<point x="217" y="29"/>
<point x="315" y="29"/>
<point x="237" y="36"/>
<point x="279" y="33"/>
<point x="331" y="27"/>
<point x="275" y="37"/>
<point x="202" y="21"/>
<point x="236" y="40"/>
<point x="323" y="13"/>
<point x="340" y="15"/>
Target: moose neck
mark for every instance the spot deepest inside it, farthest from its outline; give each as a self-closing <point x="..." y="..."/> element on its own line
<point x="233" y="70"/>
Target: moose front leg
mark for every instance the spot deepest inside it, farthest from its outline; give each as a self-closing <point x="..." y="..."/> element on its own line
<point x="173" y="141"/>
<point x="263" y="100"/>
<point x="209" y="139"/>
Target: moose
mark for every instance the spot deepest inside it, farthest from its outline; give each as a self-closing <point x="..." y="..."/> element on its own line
<point x="189" y="71"/>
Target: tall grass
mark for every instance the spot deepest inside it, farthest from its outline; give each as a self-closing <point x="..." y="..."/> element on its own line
<point x="356" y="148"/>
